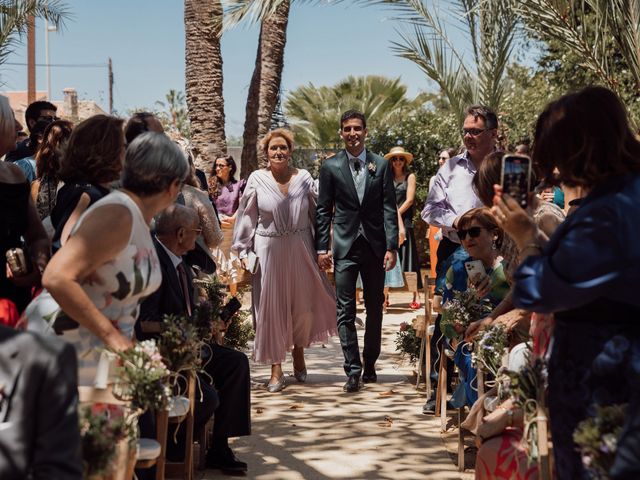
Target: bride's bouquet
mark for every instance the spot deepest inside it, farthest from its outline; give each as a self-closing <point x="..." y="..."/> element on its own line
<point x="458" y="313"/>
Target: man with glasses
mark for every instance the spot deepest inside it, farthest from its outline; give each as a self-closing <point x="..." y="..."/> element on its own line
<point x="452" y="194"/>
<point x="40" y="111"/>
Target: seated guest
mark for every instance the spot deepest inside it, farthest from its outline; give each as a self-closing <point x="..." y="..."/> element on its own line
<point x="481" y="237"/>
<point x="39" y="434"/>
<point x="176" y="231"/>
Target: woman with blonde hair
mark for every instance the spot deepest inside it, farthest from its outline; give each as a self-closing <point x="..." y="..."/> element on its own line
<point x="293" y="302"/>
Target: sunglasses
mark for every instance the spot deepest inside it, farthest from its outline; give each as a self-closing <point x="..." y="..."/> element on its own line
<point x="397" y="159"/>
<point x="474" y="132"/>
<point x="473" y="232"/>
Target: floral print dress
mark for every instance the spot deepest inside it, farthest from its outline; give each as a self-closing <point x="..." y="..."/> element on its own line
<point x="116" y="288"/>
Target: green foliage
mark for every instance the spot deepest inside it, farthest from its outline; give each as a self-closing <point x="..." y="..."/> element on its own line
<point x="180" y="343"/>
<point x="14" y="15"/>
<point x="174" y="114"/>
<point x="101" y="428"/>
<point x="314" y="112"/>
<point x="490" y="347"/>
<point x="141" y="377"/>
<point x="239" y="331"/>
<point x="458" y="312"/>
<point x="597" y="437"/>
<point x="407" y="342"/>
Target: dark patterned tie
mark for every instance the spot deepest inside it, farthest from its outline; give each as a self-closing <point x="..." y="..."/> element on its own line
<point x="356" y="165"/>
<point x="184" y="284"/>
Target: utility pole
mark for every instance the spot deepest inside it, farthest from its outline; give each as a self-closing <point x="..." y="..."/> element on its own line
<point x="31" y="59"/>
<point x="110" y="87"/>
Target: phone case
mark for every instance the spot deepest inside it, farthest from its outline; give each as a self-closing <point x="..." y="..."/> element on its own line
<point x="475" y="271"/>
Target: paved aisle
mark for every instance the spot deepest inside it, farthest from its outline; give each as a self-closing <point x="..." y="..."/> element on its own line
<point x="315" y="431"/>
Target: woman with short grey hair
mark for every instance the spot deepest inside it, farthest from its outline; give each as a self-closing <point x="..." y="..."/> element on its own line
<point x="98" y="278"/>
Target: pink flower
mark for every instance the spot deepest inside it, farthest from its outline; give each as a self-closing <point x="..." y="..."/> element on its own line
<point x="404" y="326"/>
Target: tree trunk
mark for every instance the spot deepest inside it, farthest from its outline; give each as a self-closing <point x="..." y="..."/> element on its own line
<point x="203" y="76"/>
<point x="265" y="86"/>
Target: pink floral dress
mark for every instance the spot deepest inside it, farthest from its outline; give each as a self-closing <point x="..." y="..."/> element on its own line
<point x="116" y="288"/>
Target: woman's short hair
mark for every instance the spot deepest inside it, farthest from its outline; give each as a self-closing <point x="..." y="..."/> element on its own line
<point x="7" y="119"/>
<point x="136" y="125"/>
<point x="94" y="151"/>
<point x="587" y="136"/>
<point x="230" y="163"/>
<point x="489" y="174"/>
<point x="54" y="140"/>
<point x="486" y="219"/>
<point x="278" y="132"/>
<point x="152" y="163"/>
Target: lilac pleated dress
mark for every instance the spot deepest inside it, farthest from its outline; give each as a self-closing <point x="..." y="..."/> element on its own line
<point x="293" y="301"/>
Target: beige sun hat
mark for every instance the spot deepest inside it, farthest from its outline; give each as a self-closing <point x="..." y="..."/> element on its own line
<point x="400" y="152"/>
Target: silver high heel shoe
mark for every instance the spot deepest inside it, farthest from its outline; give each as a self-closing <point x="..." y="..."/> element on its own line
<point x="278" y="386"/>
<point x="301" y="376"/>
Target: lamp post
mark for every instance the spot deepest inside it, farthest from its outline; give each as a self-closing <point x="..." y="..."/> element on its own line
<point x="48" y="28"/>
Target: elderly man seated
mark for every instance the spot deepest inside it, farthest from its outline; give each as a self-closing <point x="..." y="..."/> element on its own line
<point x="176" y="231"/>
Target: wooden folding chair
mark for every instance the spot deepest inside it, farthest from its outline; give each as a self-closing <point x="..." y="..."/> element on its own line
<point x="183" y="469"/>
<point x="425" y="345"/>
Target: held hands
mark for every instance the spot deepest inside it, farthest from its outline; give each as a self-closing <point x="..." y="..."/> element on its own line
<point x="390" y="260"/>
<point x="325" y="261"/>
<point x="513" y="219"/>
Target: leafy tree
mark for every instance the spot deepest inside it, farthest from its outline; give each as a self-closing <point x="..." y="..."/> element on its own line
<point x="315" y="112"/>
<point x="14" y="16"/>
<point x="176" y="109"/>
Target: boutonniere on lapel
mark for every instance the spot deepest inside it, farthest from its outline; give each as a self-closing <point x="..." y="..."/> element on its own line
<point x="371" y="166"/>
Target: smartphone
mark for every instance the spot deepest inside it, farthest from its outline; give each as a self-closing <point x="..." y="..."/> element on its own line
<point x="230" y="309"/>
<point x="475" y="271"/>
<point x="516" y="177"/>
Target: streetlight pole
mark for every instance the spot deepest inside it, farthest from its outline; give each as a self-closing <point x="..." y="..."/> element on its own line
<point x="48" y="28"/>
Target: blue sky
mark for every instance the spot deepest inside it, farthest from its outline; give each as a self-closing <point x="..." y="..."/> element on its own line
<point x="145" y="39"/>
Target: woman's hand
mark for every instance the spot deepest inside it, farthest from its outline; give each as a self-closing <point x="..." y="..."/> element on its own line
<point x="483" y="287"/>
<point x="513" y="219"/>
<point x="401" y="237"/>
<point x="117" y="342"/>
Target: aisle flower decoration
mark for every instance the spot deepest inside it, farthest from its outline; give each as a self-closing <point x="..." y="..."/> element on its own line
<point x="102" y="427"/>
<point x="141" y="378"/>
<point x="598" y="438"/>
<point x="212" y="293"/>
<point x="239" y="331"/>
<point x="408" y="342"/>
<point x="458" y="313"/>
<point x="180" y="344"/>
<point x="527" y="387"/>
<point x="490" y="348"/>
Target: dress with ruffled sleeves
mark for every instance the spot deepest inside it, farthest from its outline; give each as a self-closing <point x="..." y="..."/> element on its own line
<point x="293" y="302"/>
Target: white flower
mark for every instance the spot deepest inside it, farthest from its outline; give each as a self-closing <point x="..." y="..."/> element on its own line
<point x="372" y="167"/>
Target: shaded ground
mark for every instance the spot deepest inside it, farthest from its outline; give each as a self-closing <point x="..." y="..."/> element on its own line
<point x="315" y="431"/>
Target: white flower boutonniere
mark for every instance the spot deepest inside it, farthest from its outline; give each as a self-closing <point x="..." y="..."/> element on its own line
<point x="372" y="167"/>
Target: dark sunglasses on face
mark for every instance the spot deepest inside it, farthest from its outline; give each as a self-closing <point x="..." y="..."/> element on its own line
<point x="48" y="118"/>
<point x="474" y="132"/>
<point x="397" y="159"/>
<point x="473" y="232"/>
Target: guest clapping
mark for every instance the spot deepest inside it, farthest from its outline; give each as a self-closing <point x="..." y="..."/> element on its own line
<point x="109" y="264"/>
<point x="293" y="302"/>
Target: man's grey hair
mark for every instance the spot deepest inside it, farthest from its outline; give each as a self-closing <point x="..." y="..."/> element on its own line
<point x="489" y="116"/>
<point x="175" y="217"/>
<point x="152" y="163"/>
<point x="7" y="119"/>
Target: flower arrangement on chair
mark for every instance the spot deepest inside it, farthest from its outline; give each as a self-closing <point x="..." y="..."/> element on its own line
<point x="458" y="313"/>
<point x="490" y="348"/>
<point x="408" y="342"/>
<point x="102" y="427"/>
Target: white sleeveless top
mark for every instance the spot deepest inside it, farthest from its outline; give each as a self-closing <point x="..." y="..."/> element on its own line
<point x="116" y="288"/>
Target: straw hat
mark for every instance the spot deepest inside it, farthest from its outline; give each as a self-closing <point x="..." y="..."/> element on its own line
<point x="400" y="152"/>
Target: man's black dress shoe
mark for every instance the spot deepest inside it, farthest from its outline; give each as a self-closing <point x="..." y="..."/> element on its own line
<point x="369" y="376"/>
<point x="225" y="460"/>
<point x="353" y="384"/>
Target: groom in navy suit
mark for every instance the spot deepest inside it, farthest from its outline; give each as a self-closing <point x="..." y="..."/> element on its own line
<point x="357" y="197"/>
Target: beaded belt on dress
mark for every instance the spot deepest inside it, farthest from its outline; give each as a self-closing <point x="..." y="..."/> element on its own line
<point x="265" y="233"/>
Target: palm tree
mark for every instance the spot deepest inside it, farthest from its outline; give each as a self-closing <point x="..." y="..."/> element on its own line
<point x="588" y="28"/>
<point x="314" y="111"/>
<point x="14" y="15"/>
<point x="203" y="76"/>
<point x="267" y="74"/>
<point x="175" y="105"/>
<point x="490" y="27"/>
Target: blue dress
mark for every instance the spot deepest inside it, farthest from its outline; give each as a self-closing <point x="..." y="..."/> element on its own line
<point x="589" y="274"/>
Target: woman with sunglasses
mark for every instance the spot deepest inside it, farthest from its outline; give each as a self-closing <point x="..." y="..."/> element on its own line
<point x="481" y="237"/>
<point x="404" y="183"/>
<point x="225" y="192"/>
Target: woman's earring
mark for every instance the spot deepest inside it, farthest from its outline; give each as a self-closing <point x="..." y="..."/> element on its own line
<point x="494" y="246"/>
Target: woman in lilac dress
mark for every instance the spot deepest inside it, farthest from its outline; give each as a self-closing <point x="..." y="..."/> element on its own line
<point x="225" y="192"/>
<point x="293" y="302"/>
